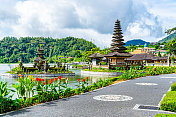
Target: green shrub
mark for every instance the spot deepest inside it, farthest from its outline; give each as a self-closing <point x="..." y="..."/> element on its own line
<point x="173" y="87"/>
<point x="165" y="115"/>
<point x="103" y="63"/>
<point x="169" y="102"/>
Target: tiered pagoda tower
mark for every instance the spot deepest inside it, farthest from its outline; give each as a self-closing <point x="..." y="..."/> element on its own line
<point x="118" y="54"/>
<point x="40" y="60"/>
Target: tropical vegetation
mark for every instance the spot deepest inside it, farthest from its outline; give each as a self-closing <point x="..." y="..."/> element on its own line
<point x="25" y="48"/>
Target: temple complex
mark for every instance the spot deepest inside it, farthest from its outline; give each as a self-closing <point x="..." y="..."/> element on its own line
<point x="41" y="64"/>
<point x="118" y="54"/>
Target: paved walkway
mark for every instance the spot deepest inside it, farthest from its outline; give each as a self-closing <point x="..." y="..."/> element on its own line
<point x="85" y="106"/>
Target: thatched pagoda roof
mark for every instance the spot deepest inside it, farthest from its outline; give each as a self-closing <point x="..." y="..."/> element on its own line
<point x="96" y="55"/>
<point x="39" y="59"/>
<point x="145" y="56"/>
<point x="117" y="40"/>
<point x="116" y="43"/>
<point x="118" y="54"/>
<point x="118" y="48"/>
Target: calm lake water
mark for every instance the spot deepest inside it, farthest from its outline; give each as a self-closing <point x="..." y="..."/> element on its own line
<point x="72" y="79"/>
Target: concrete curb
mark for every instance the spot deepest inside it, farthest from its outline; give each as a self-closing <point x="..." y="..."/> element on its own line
<point x="101" y="73"/>
<point x="37" y="75"/>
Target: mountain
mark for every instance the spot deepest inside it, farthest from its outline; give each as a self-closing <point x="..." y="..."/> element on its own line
<point x="136" y="42"/>
<point x="168" y="38"/>
<point x="25" y="48"/>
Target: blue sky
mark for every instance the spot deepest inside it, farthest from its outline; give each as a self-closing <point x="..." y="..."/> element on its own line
<point x="92" y="20"/>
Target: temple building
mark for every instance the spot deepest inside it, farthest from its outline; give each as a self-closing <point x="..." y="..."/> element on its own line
<point x="147" y="58"/>
<point x="146" y="49"/>
<point x="40" y="60"/>
<point x="96" y="58"/>
<point x="118" y="54"/>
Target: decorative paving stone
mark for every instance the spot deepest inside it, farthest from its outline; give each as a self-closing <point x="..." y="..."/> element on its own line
<point x="146" y="84"/>
<point x="112" y="98"/>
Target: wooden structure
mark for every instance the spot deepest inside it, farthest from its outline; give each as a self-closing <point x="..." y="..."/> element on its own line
<point x="96" y="58"/>
<point x="118" y="54"/>
<point x="40" y="60"/>
<point x="41" y="64"/>
<point x="140" y="59"/>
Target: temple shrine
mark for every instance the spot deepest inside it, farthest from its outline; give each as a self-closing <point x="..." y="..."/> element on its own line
<point x="40" y="62"/>
<point x="117" y="57"/>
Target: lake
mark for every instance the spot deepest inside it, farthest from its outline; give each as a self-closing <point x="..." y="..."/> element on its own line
<point x="72" y="79"/>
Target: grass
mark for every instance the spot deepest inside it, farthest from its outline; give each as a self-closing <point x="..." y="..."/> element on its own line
<point x="173" y="87"/>
<point x="103" y="70"/>
<point x="165" y="115"/>
<point x="169" y="102"/>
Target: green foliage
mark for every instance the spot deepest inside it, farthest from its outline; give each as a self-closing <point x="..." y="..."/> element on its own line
<point x="100" y="69"/>
<point x="25" y="48"/>
<point x="170" y="31"/>
<point x="165" y="115"/>
<point x="5" y="98"/>
<point x="169" y="102"/>
<point x="171" y="46"/>
<point x="103" y="63"/>
<point x="94" y="50"/>
<point x="173" y="87"/>
<point x="159" y="54"/>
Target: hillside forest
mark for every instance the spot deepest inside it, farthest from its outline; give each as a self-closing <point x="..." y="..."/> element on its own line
<point x="25" y="48"/>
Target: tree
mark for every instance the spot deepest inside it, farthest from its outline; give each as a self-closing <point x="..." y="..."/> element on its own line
<point x="171" y="46"/>
<point x="12" y="49"/>
<point x="170" y="31"/>
<point x="159" y="54"/>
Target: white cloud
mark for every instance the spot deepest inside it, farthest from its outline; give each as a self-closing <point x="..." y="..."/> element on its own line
<point x="92" y="20"/>
<point x="8" y="17"/>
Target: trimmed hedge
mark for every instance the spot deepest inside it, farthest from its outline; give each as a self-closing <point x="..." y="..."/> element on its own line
<point x="173" y="87"/>
<point x="165" y="115"/>
<point x="169" y="102"/>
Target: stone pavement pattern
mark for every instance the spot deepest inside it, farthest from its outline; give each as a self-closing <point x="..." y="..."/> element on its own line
<point x="85" y="106"/>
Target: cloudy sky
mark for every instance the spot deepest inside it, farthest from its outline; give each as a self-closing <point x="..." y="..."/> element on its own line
<point x="92" y="20"/>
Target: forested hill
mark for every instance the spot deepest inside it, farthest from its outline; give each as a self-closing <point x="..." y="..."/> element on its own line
<point x="168" y="38"/>
<point x="25" y="48"/>
<point x="136" y="42"/>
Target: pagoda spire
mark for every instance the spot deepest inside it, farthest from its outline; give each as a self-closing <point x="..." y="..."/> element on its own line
<point x="117" y="41"/>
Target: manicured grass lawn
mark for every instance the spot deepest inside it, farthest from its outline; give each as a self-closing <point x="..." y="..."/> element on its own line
<point x="165" y="115"/>
<point x="169" y="102"/>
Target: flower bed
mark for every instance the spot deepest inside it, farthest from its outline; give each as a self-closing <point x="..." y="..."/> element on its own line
<point x="44" y="91"/>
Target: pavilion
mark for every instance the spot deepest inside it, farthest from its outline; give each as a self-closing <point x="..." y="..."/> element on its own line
<point x="140" y="59"/>
<point x="96" y="58"/>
